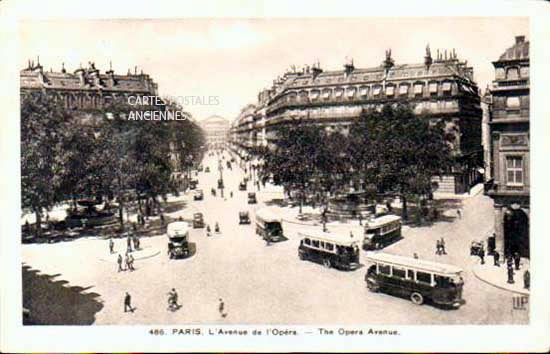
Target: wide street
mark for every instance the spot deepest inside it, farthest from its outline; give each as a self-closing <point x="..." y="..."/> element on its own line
<point x="259" y="284"/>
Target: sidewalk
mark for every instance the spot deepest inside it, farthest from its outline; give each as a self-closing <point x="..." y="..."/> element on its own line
<point x="475" y="190"/>
<point x="498" y="276"/>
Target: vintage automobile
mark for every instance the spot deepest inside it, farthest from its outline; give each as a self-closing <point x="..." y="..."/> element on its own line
<point x="178" y="234"/>
<point x="242" y="186"/>
<point x="207" y="169"/>
<point x="252" y="198"/>
<point x="269" y="225"/>
<point x="198" y="195"/>
<point x="198" y="221"/>
<point x="193" y="183"/>
<point x="476" y="247"/>
<point x="331" y="250"/>
<point x="244" y="217"/>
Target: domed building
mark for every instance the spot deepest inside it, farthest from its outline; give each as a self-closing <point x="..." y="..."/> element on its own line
<point x="509" y="149"/>
<point x="216" y="130"/>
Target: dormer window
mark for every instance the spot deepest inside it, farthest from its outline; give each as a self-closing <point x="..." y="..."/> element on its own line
<point x="418" y="88"/>
<point x="364" y="91"/>
<point x="390" y="90"/>
<point x="351" y="92"/>
<point x="499" y="73"/>
<point x="338" y="92"/>
<point x="314" y="94"/>
<point x="512" y="74"/>
<point x="376" y="90"/>
<point x="326" y="94"/>
<point x="403" y="89"/>
<point x="433" y="88"/>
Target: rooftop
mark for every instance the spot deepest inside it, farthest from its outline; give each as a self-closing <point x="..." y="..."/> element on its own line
<point x="520" y="50"/>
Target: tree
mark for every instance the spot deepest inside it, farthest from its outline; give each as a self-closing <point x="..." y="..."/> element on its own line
<point x="399" y="151"/>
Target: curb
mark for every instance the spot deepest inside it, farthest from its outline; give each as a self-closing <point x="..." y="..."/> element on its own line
<point x="521" y="292"/>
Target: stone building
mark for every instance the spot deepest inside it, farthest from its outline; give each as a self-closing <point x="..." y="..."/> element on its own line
<point x="441" y="87"/>
<point x="216" y="131"/>
<point x="509" y="149"/>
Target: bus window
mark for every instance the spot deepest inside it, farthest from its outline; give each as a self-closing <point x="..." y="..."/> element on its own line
<point x="322" y="244"/>
<point x="308" y="241"/>
<point x="441" y="281"/>
<point x="399" y="273"/>
<point x="330" y="246"/>
<point x="384" y="269"/>
<point x="424" y="277"/>
<point x="315" y="243"/>
<point x="410" y="274"/>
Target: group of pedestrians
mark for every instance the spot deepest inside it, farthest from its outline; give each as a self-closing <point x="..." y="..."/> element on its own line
<point x="513" y="264"/>
<point x="128" y="263"/>
<point x="440" y="247"/>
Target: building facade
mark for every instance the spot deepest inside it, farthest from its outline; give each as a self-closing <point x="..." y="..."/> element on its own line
<point x="509" y="149"/>
<point x="442" y="88"/>
<point x="216" y="131"/>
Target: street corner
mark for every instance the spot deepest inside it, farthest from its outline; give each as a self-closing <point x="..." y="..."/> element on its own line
<point x="498" y="276"/>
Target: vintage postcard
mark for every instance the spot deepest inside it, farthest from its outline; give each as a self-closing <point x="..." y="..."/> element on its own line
<point x="275" y="183"/>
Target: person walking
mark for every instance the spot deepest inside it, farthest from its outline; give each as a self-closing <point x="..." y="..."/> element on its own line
<point x="128" y="244"/>
<point x="221" y="308"/>
<point x="510" y="274"/>
<point x="442" y="245"/>
<point x="111" y="245"/>
<point x="217" y="228"/>
<point x="438" y="247"/>
<point x="459" y="213"/>
<point x="517" y="260"/>
<point x="208" y="230"/>
<point x="415" y="255"/>
<point x="119" y="261"/>
<point x="496" y="258"/>
<point x="128" y="303"/>
<point x="127" y="261"/>
<point x="162" y="218"/>
<point x="481" y="255"/>
<point x="131" y="262"/>
<point x="526" y="279"/>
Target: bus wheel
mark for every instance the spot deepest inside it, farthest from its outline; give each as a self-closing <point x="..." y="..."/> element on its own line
<point x="417" y="298"/>
<point x="326" y="263"/>
<point x="372" y="285"/>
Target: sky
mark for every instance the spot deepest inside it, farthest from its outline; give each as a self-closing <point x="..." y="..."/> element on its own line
<point x="226" y="62"/>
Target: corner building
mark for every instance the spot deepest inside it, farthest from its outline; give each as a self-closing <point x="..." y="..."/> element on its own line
<point x="442" y="88"/>
<point x="509" y="149"/>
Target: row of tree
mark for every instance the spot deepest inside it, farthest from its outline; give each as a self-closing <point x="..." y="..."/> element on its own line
<point x="389" y="151"/>
<point x="69" y="154"/>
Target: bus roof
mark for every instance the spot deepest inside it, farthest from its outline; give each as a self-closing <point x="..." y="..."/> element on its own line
<point x="379" y="221"/>
<point x="266" y="215"/>
<point x="340" y="239"/>
<point x="419" y="264"/>
<point x="177" y="229"/>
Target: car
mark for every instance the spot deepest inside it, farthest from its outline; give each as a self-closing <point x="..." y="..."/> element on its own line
<point x="242" y="186"/>
<point x="207" y="169"/>
<point x="198" y="195"/>
<point x="200" y="168"/>
<point x="244" y="217"/>
<point x="193" y="183"/>
<point x="178" y="235"/>
<point x="198" y="221"/>
<point x="252" y="198"/>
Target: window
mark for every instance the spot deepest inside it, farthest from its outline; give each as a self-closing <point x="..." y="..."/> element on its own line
<point x="512" y="74"/>
<point x="418" y="89"/>
<point x="499" y="73"/>
<point x="433" y="87"/>
<point x="403" y="89"/>
<point x="424" y="277"/>
<point x="376" y="90"/>
<point x="351" y="92"/>
<point x="326" y="94"/>
<point x="314" y="94"/>
<point x="512" y="102"/>
<point x="307" y="241"/>
<point x="338" y="92"/>
<point x="364" y="91"/>
<point x="446" y="86"/>
<point x="384" y="269"/>
<point x="329" y="246"/>
<point x="315" y="243"/>
<point x="322" y="244"/>
<point x="514" y="170"/>
<point x="410" y="274"/>
<point x="399" y="273"/>
<point x="524" y="71"/>
<point x="390" y="90"/>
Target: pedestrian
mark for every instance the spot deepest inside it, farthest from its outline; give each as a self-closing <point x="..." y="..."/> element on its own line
<point x="496" y="257"/>
<point x="231" y="194"/>
<point x="111" y="245"/>
<point x="207" y="230"/>
<point x="442" y="245"/>
<point x="162" y="218"/>
<point x="128" y="303"/>
<point x="415" y="256"/>
<point x="221" y="308"/>
<point x="388" y="206"/>
<point x="481" y="255"/>
<point x="217" y="228"/>
<point x="128" y="243"/>
<point x="438" y="247"/>
<point x="517" y="260"/>
<point x="119" y="261"/>
<point x="526" y="279"/>
<point x="509" y="261"/>
<point x="127" y="261"/>
<point x="459" y="213"/>
<point x="360" y="219"/>
<point x="510" y="274"/>
<point x="131" y="262"/>
<point x="351" y="234"/>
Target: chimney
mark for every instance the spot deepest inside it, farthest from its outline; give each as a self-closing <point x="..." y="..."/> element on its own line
<point x="520" y="39"/>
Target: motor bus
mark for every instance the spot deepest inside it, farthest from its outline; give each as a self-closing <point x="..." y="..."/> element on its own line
<point x="178" y="239"/>
<point x="381" y="231"/>
<point x="332" y="250"/>
<point x="269" y="225"/>
<point x="419" y="280"/>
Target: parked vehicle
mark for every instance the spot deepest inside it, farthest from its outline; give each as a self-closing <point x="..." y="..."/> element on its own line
<point x="200" y="168"/>
<point x="207" y="169"/>
<point x="417" y="279"/>
<point x="332" y="250"/>
<point x="269" y="225"/>
<point x="476" y="247"/>
<point x="244" y="217"/>
<point x="178" y="235"/>
<point x="198" y="221"/>
<point x="242" y="186"/>
<point x="252" y="198"/>
<point x="198" y="195"/>
<point x="381" y="231"/>
<point x="193" y="183"/>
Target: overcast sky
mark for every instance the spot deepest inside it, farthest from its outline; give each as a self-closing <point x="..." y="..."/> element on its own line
<point x="233" y="59"/>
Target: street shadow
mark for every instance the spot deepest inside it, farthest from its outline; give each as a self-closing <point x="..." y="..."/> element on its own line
<point x="54" y="302"/>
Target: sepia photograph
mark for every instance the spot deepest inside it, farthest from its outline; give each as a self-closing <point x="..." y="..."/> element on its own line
<point x="274" y="176"/>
